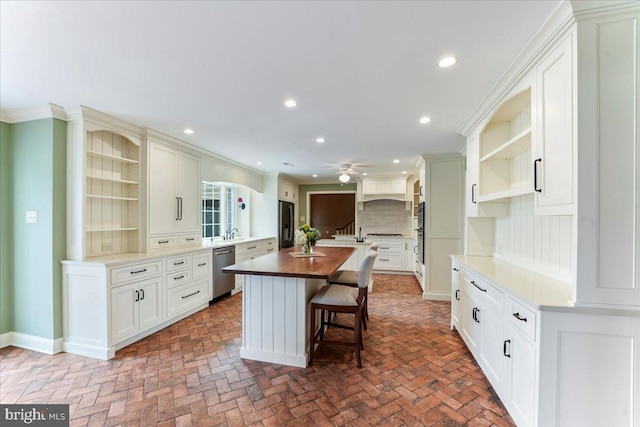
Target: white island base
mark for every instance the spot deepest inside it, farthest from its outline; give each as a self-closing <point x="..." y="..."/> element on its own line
<point x="276" y="318"/>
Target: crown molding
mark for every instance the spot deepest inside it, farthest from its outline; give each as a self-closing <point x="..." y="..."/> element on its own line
<point x="586" y="9"/>
<point x="558" y="24"/>
<point x="31" y="113"/>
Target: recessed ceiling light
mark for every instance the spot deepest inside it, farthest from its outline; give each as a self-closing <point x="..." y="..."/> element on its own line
<point x="396" y="161"/>
<point x="258" y="163"/>
<point x="404" y="171"/>
<point x="447" y="61"/>
<point x="425" y="120"/>
<point x="364" y="173"/>
<point x="188" y="131"/>
<point x="290" y="103"/>
<point x="320" y="140"/>
<point x="315" y="176"/>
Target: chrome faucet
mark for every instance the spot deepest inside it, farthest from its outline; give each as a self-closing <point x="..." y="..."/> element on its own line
<point x="231" y="234"/>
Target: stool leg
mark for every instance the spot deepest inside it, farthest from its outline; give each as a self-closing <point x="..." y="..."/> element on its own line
<point x="312" y="334"/>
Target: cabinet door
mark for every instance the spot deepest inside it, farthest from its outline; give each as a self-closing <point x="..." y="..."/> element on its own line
<point x="470" y="327"/>
<point x="190" y="193"/>
<point x="124" y="312"/>
<point x="492" y="358"/>
<point x="521" y="379"/>
<point x="456" y="292"/>
<point x="369" y="186"/>
<point x="399" y="186"/>
<point x="553" y="149"/>
<point x="472" y="176"/>
<point x="150" y="304"/>
<point x="163" y="177"/>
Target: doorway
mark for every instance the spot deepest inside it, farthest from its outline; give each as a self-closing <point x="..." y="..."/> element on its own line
<point x="333" y="213"/>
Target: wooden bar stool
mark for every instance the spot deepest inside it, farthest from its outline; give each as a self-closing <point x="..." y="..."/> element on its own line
<point x="342" y="299"/>
<point x="350" y="278"/>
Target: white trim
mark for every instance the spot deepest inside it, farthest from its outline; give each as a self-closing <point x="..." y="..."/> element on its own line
<point x="31" y="342"/>
<point x="298" y="361"/>
<point x="31" y="113"/>
<point x="431" y="296"/>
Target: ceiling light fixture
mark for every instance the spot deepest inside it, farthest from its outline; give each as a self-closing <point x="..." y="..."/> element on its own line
<point x="344" y="178"/>
<point x="320" y="140"/>
<point x="188" y="131"/>
<point x="290" y="103"/>
<point x="396" y="161"/>
<point x="404" y="171"/>
<point x="315" y="176"/>
<point x="425" y="120"/>
<point x="364" y="173"/>
<point x="447" y="61"/>
<point x="258" y="163"/>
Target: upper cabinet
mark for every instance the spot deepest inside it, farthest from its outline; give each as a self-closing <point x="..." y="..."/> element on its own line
<point x="175" y="197"/>
<point x="287" y="191"/>
<point x="554" y="143"/>
<point x="385" y="187"/>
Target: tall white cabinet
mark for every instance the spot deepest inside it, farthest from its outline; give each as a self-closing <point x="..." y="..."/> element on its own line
<point x="552" y="200"/>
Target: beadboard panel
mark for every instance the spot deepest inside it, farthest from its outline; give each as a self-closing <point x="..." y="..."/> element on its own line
<point x="542" y="242"/>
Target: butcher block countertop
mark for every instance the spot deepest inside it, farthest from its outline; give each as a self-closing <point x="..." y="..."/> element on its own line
<point x="283" y="264"/>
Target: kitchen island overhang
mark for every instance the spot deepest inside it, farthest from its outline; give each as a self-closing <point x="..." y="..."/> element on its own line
<point x="276" y="292"/>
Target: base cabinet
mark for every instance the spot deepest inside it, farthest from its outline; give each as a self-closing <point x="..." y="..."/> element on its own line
<point x="522" y="372"/>
<point x="135" y="307"/>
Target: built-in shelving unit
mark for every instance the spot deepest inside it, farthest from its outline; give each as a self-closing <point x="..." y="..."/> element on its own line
<point x="505" y="151"/>
<point x="112" y="192"/>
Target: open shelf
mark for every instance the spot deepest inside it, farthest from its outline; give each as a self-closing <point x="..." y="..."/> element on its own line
<point x="119" y="181"/>
<point x="95" y="196"/>
<point x="515" y="146"/>
<point x="511" y="192"/>
<point x="111" y="157"/>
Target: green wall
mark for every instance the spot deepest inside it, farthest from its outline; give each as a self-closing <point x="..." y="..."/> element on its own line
<point x="37" y="170"/>
<point x="6" y="230"/>
<point x="304" y="189"/>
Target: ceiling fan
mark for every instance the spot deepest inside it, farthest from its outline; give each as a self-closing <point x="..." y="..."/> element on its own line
<point x="345" y="173"/>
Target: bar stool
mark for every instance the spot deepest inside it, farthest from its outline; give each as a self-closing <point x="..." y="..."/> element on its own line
<point x="342" y="299"/>
<point x="350" y="278"/>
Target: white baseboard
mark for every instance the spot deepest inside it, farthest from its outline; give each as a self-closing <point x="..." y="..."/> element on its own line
<point x="436" y="297"/>
<point x="31" y="342"/>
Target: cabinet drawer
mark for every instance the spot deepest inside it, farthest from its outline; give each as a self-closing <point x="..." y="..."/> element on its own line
<point x="387" y="247"/>
<point x="250" y="248"/>
<point x="183" y="298"/>
<point x="270" y="245"/>
<point x="193" y="239"/>
<point x="178" y="263"/>
<point x="202" y="265"/>
<point x="161" y="242"/>
<point x="522" y="318"/>
<point x="135" y="272"/>
<point x="178" y="278"/>
<point x="388" y="261"/>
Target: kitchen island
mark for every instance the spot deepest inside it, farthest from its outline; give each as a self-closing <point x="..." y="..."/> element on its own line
<point x="275" y="301"/>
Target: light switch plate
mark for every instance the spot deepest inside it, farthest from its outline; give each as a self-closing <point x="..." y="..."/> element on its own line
<point x="31" y="217"/>
<point x="302" y="219"/>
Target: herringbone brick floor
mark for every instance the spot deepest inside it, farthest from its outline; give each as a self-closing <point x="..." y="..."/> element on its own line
<point x="416" y="372"/>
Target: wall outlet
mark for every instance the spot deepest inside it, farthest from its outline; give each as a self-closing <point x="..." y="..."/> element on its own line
<point x="31" y="217"/>
<point x="107" y="247"/>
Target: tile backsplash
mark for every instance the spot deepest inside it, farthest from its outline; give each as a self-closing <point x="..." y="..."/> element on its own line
<point x="385" y="216"/>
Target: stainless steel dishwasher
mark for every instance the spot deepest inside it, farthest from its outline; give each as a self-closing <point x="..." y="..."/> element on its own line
<point x="223" y="282"/>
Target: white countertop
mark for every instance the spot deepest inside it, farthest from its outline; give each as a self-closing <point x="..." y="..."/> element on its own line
<point x="124" y="258"/>
<point x="531" y="288"/>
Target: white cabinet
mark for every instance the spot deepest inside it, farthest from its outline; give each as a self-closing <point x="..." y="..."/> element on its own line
<point x="389" y="255"/>
<point x="456" y="289"/>
<point x="491" y="349"/>
<point x="389" y="187"/>
<point x="555" y="143"/>
<point x="522" y="372"/>
<point x="472" y="176"/>
<point x="175" y="197"/>
<point x="135" y="307"/>
<point x="250" y="250"/>
<point x="408" y="255"/>
<point x="287" y="191"/>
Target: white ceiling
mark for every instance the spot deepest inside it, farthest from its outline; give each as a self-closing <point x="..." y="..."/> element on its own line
<point x="363" y="73"/>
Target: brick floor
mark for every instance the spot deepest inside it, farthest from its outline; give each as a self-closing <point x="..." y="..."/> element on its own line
<point x="416" y="372"/>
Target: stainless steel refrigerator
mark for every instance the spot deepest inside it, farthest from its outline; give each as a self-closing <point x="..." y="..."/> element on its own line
<point x="286" y="211"/>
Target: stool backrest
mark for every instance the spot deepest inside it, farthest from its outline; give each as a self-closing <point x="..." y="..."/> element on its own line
<point x="374" y="247"/>
<point x="366" y="269"/>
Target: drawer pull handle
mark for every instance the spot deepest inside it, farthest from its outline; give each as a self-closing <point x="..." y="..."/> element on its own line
<point x="162" y="242"/>
<point x="517" y="316"/>
<point x="179" y="277"/>
<point x="251" y="247"/>
<point x="222" y="253"/>
<point x="382" y="247"/>
<point x="504" y="348"/>
<point x="457" y="290"/>
<point x="178" y="263"/>
<point x="473" y="282"/>
<point x="190" y="295"/>
<point x="139" y="271"/>
<point x="190" y="239"/>
<point x="384" y="259"/>
<point x="202" y="265"/>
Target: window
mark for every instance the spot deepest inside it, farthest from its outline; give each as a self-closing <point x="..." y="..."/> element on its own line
<point x="218" y="213"/>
